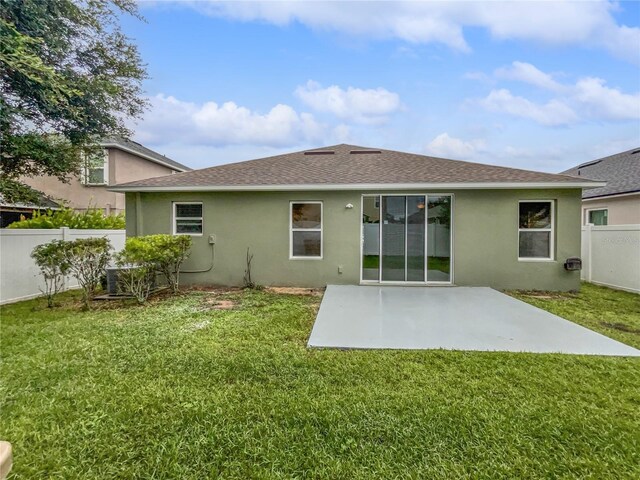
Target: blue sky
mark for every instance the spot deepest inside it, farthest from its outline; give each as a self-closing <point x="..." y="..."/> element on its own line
<point x="537" y="85"/>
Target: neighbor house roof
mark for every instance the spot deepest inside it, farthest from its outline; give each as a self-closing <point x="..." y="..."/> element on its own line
<point x="621" y="172"/>
<point x="144" y="152"/>
<point x="350" y="167"/>
<point x="44" y="202"/>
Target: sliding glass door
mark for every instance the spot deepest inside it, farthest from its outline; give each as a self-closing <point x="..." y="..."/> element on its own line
<point x="393" y="238"/>
<point x="406" y="238"/>
<point x="439" y="238"/>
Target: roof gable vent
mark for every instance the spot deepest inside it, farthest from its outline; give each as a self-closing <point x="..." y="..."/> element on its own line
<point x="362" y="152"/>
<point x="589" y="164"/>
<point x="320" y="152"/>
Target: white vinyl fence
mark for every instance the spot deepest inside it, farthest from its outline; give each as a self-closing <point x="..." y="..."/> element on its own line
<point x="20" y="278"/>
<point x="438" y="239"/>
<point x="611" y="256"/>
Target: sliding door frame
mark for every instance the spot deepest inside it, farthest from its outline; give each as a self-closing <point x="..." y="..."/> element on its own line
<point x="426" y="240"/>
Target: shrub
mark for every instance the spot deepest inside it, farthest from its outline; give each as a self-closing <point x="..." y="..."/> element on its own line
<point x="136" y="280"/>
<point x="150" y="254"/>
<point x="91" y="218"/>
<point x="54" y="266"/>
<point x="88" y="258"/>
<point x="138" y="267"/>
<point x="170" y="252"/>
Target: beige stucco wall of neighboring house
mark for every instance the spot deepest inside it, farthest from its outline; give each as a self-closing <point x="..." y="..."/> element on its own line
<point x="622" y="210"/>
<point x="485" y="237"/>
<point x="129" y="167"/>
<point x="123" y="167"/>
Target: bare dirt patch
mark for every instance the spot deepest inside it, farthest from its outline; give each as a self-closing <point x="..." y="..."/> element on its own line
<point x="623" y="327"/>
<point x="224" y="305"/>
<point x="549" y="295"/>
<point x="214" y="289"/>
<point x="213" y="303"/>
<point x="315" y="292"/>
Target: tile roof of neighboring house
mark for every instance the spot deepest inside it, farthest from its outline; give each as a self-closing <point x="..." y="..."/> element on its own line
<point x="349" y="167"/>
<point x="142" y="151"/>
<point x="621" y="172"/>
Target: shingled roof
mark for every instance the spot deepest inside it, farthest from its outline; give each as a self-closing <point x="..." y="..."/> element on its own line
<point x="342" y="167"/>
<point x="144" y="152"/>
<point x="621" y="172"/>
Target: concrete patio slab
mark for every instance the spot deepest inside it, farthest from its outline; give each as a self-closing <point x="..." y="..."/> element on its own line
<point x="451" y="318"/>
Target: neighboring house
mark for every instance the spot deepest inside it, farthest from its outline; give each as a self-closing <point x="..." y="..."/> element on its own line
<point x="12" y="211"/>
<point x="617" y="203"/>
<point x="354" y="215"/>
<point x="121" y="161"/>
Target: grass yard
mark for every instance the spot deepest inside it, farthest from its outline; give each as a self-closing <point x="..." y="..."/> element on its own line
<point x="184" y="389"/>
<point x="441" y="264"/>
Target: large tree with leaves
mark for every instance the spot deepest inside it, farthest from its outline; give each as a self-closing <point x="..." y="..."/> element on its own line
<point x="68" y="76"/>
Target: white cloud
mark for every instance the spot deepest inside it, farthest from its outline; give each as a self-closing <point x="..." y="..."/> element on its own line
<point x="588" y="99"/>
<point x="552" y="113"/>
<point x="525" y="72"/>
<point x="606" y="103"/>
<point x="450" y="147"/>
<point x="227" y="124"/>
<point x="550" y="22"/>
<point x="371" y="106"/>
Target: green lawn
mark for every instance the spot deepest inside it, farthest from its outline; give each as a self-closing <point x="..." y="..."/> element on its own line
<point x="415" y="263"/>
<point x="179" y="389"/>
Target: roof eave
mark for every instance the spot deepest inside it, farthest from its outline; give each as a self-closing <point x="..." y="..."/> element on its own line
<point x="143" y="155"/>
<point x="357" y="186"/>
<point x="610" y="195"/>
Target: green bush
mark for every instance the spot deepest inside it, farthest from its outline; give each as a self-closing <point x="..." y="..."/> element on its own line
<point x="91" y="218"/>
<point x="170" y="252"/>
<point x="53" y="263"/>
<point x="143" y="257"/>
<point x="137" y="273"/>
<point x="88" y="258"/>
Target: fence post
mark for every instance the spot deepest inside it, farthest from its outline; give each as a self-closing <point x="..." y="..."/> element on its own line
<point x="588" y="227"/>
<point x="65" y="236"/>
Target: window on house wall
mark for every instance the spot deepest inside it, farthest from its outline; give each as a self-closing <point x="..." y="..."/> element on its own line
<point x="305" y="230"/>
<point x="535" y="230"/>
<point x="187" y="218"/>
<point x="95" y="170"/>
<point x="598" y="217"/>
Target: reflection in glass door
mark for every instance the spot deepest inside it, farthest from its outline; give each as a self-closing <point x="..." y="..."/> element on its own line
<point x="371" y="238"/>
<point x="393" y="238"/>
<point x="406" y="238"/>
<point x="415" y="238"/>
<point x="439" y="238"/>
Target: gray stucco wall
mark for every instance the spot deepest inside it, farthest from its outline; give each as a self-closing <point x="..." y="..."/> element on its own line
<point x="484" y="224"/>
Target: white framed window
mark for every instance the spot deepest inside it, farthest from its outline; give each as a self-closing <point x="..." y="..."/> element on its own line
<point x="305" y="230"/>
<point x="536" y="230"/>
<point x="597" y="216"/>
<point x="95" y="168"/>
<point x="187" y="218"/>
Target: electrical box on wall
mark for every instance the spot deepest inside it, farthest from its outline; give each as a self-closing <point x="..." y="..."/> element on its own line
<point x="212" y="239"/>
<point x="573" y="263"/>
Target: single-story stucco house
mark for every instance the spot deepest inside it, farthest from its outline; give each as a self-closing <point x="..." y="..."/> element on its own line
<point x="353" y="215"/>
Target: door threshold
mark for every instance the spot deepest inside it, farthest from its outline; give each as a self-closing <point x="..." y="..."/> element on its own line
<point x="405" y="284"/>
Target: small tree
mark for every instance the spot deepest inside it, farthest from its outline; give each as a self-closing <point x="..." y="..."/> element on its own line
<point x="247" y="281"/>
<point x="88" y="258"/>
<point x="54" y="266"/>
<point x="138" y="266"/>
<point x="170" y="253"/>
